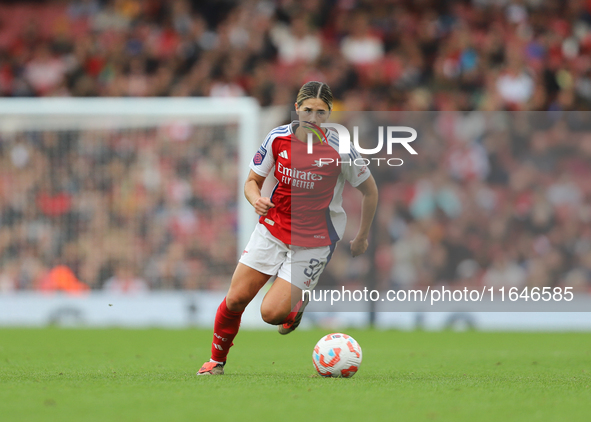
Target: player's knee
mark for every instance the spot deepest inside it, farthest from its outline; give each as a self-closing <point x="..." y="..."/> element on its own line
<point x="236" y="303"/>
<point x="271" y="316"/>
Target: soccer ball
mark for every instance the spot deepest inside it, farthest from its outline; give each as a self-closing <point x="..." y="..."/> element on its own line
<point x="337" y="355"/>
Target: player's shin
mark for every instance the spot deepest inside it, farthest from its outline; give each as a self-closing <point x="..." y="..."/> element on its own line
<point x="225" y="329"/>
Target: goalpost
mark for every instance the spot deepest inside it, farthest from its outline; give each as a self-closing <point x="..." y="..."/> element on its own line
<point x="237" y="119"/>
<point x="127" y="113"/>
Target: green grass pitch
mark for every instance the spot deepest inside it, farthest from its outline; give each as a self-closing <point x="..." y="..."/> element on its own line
<point x="149" y="375"/>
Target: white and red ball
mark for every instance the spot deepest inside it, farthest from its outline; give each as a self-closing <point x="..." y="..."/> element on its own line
<point x="337" y="355"/>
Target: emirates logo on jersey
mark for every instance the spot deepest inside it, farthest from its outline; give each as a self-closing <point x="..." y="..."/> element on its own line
<point x="297" y="178"/>
<point x="297" y="174"/>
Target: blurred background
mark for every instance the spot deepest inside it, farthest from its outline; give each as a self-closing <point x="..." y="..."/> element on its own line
<point x="151" y="209"/>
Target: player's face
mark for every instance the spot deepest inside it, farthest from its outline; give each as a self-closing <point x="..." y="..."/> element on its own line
<point x="313" y="110"/>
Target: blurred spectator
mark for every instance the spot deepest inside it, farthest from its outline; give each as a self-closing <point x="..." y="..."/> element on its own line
<point x="43" y="72"/>
<point x="360" y="46"/>
<point x="125" y="280"/>
<point x="434" y="194"/>
<point x="515" y="86"/>
<point x="296" y="42"/>
<point x="9" y="278"/>
<point x="504" y="272"/>
<point x="61" y="278"/>
<point x="408" y="253"/>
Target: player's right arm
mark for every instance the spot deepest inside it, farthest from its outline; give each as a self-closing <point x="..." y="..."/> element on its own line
<point x="260" y="167"/>
<point x="252" y="191"/>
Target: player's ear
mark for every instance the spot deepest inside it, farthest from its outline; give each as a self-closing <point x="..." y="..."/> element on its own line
<point x="297" y="108"/>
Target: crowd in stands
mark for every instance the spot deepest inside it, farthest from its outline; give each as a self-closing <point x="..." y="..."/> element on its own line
<point x="494" y="199"/>
<point x="500" y="199"/>
<point x="498" y="206"/>
<point x="377" y="55"/>
<point x="120" y="210"/>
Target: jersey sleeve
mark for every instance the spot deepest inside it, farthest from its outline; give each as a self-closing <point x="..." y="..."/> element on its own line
<point x="263" y="161"/>
<point x="356" y="172"/>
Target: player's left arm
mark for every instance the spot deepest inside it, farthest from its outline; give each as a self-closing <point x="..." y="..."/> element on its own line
<point x="369" y="204"/>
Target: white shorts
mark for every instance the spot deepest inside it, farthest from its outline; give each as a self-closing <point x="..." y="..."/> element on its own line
<point x="296" y="264"/>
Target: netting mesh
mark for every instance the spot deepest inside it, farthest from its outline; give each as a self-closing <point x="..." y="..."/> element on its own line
<point x="126" y="209"/>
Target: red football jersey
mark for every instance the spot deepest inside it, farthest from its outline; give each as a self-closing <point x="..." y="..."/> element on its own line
<point x="308" y="195"/>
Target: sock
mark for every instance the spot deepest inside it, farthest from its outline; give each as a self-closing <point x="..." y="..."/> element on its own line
<point x="225" y="329"/>
<point x="291" y="316"/>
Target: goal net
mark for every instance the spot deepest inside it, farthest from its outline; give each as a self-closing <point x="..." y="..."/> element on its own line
<point x="151" y="188"/>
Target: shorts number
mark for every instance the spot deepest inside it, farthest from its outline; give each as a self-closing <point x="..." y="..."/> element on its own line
<point x="313" y="269"/>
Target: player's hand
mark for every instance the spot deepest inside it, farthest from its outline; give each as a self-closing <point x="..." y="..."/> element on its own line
<point x="262" y="205"/>
<point x="358" y="246"/>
